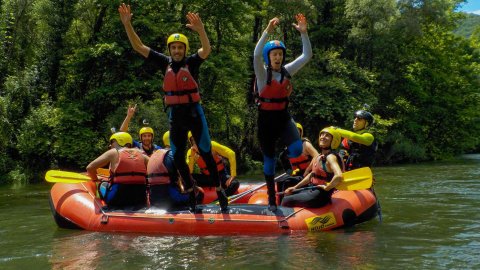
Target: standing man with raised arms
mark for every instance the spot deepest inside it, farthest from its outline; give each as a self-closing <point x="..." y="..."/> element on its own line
<point x="182" y="97"/>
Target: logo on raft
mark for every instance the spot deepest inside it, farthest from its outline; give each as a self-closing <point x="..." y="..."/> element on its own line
<point x="318" y="223"/>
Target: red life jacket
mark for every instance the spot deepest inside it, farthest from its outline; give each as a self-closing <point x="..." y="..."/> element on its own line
<point x="157" y="172"/>
<point x="203" y="166"/>
<point x="130" y="169"/>
<point x="301" y="162"/>
<point x="274" y="96"/>
<point x="320" y="176"/>
<point x="180" y="87"/>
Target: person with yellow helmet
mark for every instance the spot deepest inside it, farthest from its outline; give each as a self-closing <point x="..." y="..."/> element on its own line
<point x="145" y="134"/>
<point x="221" y="154"/>
<point x="327" y="173"/>
<point x="182" y="96"/>
<point x="128" y="167"/>
<point x="358" y="148"/>
<point x="272" y="90"/>
<point x="166" y="140"/>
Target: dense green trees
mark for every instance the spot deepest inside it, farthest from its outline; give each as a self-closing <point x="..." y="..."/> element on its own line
<point x="67" y="74"/>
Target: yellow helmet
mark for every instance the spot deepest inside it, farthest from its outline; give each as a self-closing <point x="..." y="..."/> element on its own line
<point x="299" y="126"/>
<point x="178" y="38"/>
<point x="336" y="137"/>
<point x="122" y="138"/>
<point x="189" y="135"/>
<point x="166" y="138"/>
<point x="145" y="130"/>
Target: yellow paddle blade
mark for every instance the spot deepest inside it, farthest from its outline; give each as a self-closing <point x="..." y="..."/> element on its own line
<point x="56" y="176"/>
<point x="356" y="179"/>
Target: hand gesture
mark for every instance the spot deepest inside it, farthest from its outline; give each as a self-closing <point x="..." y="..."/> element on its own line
<point x="272" y="24"/>
<point x="125" y="13"/>
<point x="301" y="25"/>
<point x="194" y="22"/>
<point x="131" y="110"/>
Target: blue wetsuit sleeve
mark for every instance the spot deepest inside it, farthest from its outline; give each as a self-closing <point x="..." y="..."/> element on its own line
<point x="137" y="144"/>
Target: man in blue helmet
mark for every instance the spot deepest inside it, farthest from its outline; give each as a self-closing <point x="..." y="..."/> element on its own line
<point x="358" y="148"/>
<point x="273" y="88"/>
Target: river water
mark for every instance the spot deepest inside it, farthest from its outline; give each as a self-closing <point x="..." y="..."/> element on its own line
<point x="430" y="220"/>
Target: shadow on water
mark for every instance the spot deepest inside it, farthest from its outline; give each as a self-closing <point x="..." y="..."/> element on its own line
<point x="430" y="220"/>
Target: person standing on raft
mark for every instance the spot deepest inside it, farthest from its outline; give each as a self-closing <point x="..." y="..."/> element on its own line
<point x="182" y="98"/>
<point x="273" y="87"/>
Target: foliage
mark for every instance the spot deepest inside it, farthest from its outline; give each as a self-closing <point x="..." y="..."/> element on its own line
<point x="68" y="73"/>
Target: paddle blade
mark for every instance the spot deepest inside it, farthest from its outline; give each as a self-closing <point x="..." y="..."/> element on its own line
<point x="356" y="179"/>
<point x="56" y="176"/>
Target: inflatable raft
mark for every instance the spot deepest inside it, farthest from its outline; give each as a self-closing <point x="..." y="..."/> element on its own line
<point x="76" y="206"/>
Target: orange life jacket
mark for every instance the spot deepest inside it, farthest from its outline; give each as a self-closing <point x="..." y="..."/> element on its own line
<point x="203" y="166"/>
<point x="274" y="96"/>
<point x="130" y="169"/>
<point x="157" y="172"/>
<point x="180" y="87"/>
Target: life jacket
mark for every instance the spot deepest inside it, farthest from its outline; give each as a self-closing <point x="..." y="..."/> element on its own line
<point x="301" y="162"/>
<point x="274" y="96"/>
<point x="202" y="165"/>
<point x="157" y="172"/>
<point x="130" y="168"/>
<point x="320" y="176"/>
<point x="180" y="87"/>
<point x="359" y="155"/>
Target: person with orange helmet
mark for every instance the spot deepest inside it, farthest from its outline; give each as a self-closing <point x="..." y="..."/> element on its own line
<point x="182" y="97"/>
<point x="145" y="134"/>
<point x="128" y="168"/>
<point x="327" y="173"/>
<point x="272" y="90"/>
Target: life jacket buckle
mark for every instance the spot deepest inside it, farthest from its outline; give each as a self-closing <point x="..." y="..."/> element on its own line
<point x="104" y="219"/>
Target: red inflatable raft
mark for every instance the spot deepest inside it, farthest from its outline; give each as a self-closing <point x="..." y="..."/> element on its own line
<point x="76" y="206"/>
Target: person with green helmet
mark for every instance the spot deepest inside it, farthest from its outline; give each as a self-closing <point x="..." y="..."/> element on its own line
<point x="145" y="134"/>
<point x="182" y="97"/>
<point x="272" y="90"/>
<point x="126" y="185"/>
<point x="358" y="148"/>
<point x="326" y="174"/>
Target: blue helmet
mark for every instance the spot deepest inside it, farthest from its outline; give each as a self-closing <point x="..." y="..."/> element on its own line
<point x="271" y="45"/>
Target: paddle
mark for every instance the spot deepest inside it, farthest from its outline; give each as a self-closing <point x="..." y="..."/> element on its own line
<point x="352" y="180"/>
<point x="246" y="192"/>
<point x="56" y="176"/>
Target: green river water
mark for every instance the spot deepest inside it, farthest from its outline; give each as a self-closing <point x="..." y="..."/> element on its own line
<point x="431" y="220"/>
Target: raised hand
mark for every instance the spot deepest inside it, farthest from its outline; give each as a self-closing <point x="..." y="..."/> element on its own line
<point x="301" y="25"/>
<point x="272" y="24"/>
<point x="125" y="13"/>
<point x="194" y="22"/>
<point x="131" y="110"/>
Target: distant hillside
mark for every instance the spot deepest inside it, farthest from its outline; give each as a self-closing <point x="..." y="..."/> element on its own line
<point x="468" y="25"/>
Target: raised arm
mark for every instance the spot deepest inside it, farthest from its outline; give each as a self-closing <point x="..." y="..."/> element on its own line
<point x="301" y="26"/>
<point x="130" y="112"/>
<point x="196" y="24"/>
<point x="258" y="66"/>
<point x="126" y="17"/>
<point x="365" y="138"/>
